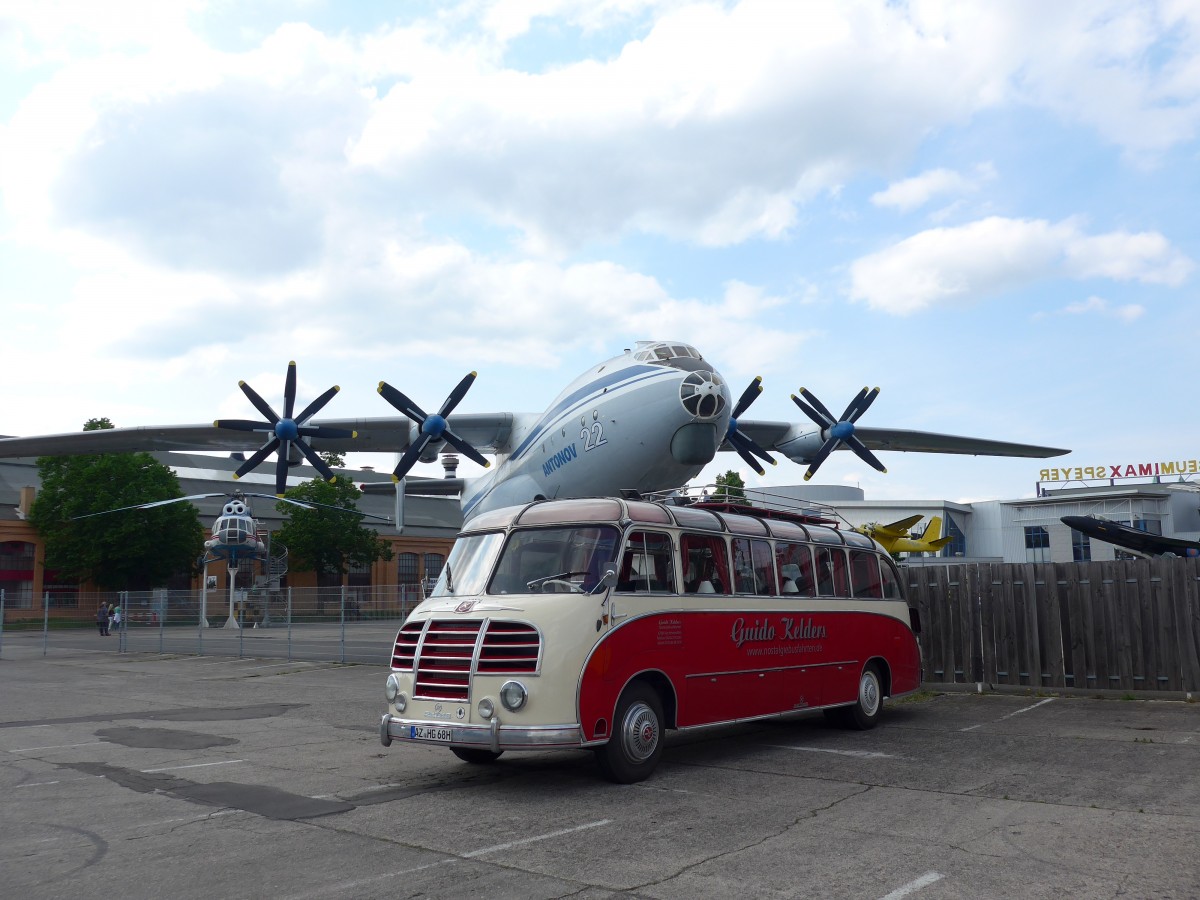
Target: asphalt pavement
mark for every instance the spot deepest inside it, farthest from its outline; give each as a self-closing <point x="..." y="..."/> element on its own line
<point x="147" y="775"/>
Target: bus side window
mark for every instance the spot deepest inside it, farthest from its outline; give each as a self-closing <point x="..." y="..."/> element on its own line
<point x="743" y="571"/>
<point x="753" y="572"/>
<point x="648" y="564"/>
<point x="795" y="569"/>
<point x="705" y="564"/>
<point x="891" y="584"/>
<point x="864" y="575"/>
<point x="831" y="572"/>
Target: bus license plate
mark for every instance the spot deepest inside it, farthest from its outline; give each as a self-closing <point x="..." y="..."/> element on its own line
<point x="429" y="733"/>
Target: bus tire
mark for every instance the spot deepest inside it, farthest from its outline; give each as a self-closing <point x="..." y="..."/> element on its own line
<point x="865" y="711"/>
<point x="636" y="745"/>
<point x="475" y="755"/>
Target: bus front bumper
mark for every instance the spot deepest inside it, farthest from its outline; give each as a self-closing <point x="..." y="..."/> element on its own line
<point x="493" y="736"/>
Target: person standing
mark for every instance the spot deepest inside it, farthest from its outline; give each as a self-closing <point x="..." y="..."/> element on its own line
<point x="102" y="619"/>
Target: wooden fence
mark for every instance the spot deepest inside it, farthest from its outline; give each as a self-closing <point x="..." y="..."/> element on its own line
<point x="1099" y="626"/>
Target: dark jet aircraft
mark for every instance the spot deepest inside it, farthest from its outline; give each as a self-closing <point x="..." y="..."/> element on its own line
<point x="1140" y="542"/>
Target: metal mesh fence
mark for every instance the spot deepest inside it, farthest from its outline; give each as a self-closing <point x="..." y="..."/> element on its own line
<point x="340" y="624"/>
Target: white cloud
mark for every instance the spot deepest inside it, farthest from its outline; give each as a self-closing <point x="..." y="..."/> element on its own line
<point x="1099" y="306"/>
<point x="910" y="193"/>
<point x="951" y="265"/>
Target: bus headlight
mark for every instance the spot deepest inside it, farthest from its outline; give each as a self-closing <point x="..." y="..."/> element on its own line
<point x="401" y="702"/>
<point x="392" y="688"/>
<point x="486" y="708"/>
<point x="513" y="695"/>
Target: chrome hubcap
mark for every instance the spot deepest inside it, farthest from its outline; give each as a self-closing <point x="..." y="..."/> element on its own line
<point x="868" y="693"/>
<point x="640" y="732"/>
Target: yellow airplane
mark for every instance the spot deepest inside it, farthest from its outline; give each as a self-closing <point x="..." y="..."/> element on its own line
<point x="895" y="538"/>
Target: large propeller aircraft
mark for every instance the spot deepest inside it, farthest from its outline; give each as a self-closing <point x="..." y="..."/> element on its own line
<point x="648" y="420"/>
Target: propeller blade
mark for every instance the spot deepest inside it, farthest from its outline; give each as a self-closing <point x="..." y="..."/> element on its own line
<point x="853" y="405"/>
<point x="244" y="425"/>
<point x="410" y="457"/>
<point x="289" y="391"/>
<point x="263" y="452"/>
<point x="259" y="403"/>
<point x="315" y="407"/>
<point x="749" y="395"/>
<point x="402" y="403"/>
<point x="864" y="454"/>
<point x="865" y="401"/>
<point x="750" y="460"/>
<point x="817" y="405"/>
<point x="742" y="443"/>
<point x="822" y="455"/>
<point x="281" y="467"/>
<point x="816" y="417"/>
<point x="466" y="449"/>
<point x="315" y="461"/>
<point x="325" y="431"/>
<point x="457" y="394"/>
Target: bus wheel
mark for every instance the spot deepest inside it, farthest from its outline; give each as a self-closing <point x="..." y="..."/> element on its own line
<point x="477" y="756"/>
<point x="865" y="712"/>
<point x="637" y="741"/>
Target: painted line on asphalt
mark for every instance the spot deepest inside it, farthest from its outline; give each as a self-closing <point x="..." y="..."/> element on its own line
<point x="1011" y="714"/>
<point x="913" y="886"/>
<point x="540" y="837"/>
<point x="224" y="762"/>
<point x="57" y="747"/>
<point x="354" y="886"/>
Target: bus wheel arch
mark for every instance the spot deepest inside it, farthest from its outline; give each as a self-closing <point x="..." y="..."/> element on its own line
<point x="638" y="731"/>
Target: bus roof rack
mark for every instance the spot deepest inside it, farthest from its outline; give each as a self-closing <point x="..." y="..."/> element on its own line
<point x="751" y="502"/>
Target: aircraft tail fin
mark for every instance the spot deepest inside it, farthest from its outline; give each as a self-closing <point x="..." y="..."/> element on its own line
<point x="932" y="535"/>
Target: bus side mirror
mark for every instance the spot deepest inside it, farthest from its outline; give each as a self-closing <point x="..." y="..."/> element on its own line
<point x="608" y="580"/>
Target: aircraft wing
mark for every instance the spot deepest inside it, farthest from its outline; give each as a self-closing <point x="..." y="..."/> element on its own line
<point x="801" y="442"/>
<point x="487" y="432"/>
<point x="932" y="442"/>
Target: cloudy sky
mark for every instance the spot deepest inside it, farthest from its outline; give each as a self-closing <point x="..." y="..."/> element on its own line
<point x="988" y="210"/>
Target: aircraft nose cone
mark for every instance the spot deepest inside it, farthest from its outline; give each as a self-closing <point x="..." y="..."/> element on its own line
<point x="286" y="430"/>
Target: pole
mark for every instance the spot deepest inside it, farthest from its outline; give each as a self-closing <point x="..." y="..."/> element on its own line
<point x="123" y="606"/>
<point x="45" y="623"/>
<point x="204" y="594"/>
<point x="289" y="618"/>
<point x="343" y="650"/>
<point x="231" y="622"/>
<point x="162" y="618"/>
<point x="1" y="620"/>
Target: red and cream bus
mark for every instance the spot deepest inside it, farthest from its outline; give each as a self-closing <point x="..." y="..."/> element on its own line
<point x="600" y="623"/>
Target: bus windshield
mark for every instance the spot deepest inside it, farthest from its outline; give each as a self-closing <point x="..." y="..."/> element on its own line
<point x="554" y="560"/>
<point x="470" y="561"/>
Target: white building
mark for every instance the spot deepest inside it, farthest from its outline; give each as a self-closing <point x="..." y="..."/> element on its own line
<point x="1025" y="530"/>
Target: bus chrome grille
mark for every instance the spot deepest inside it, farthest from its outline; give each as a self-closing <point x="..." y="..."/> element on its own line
<point x="510" y="648"/>
<point x="444" y="654"/>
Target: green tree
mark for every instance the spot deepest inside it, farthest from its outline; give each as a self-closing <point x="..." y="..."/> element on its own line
<point x="730" y="487"/>
<point x="328" y="541"/>
<point x="136" y="549"/>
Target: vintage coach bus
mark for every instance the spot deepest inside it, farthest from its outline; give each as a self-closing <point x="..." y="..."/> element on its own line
<point x="600" y="623"/>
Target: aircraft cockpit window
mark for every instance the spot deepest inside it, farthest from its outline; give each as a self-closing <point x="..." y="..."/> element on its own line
<point x="668" y="353"/>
